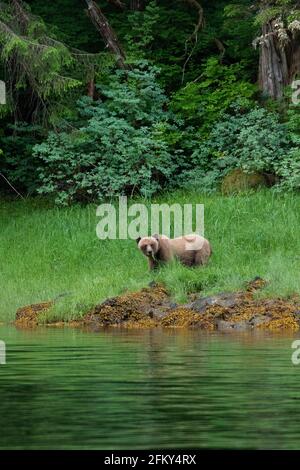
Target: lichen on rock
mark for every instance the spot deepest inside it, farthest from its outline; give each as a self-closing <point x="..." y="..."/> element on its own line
<point x="145" y="307"/>
<point x="28" y="317"/>
<point x="153" y="307"/>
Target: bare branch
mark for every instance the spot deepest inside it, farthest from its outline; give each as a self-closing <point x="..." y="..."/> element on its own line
<point x="109" y="36"/>
<point x="117" y="3"/>
<point x="12" y="187"/>
<point x="200" y="22"/>
<point x="221" y="48"/>
<point x="194" y="36"/>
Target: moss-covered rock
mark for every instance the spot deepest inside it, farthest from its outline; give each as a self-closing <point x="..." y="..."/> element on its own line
<point x="28" y="317"/>
<point x="238" y="181"/>
<point x="143" y="308"/>
<point x="152" y="307"/>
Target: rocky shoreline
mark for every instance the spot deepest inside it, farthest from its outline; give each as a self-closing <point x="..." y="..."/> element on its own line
<point x="152" y="307"/>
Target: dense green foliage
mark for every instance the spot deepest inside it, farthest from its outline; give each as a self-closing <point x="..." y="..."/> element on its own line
<point x="117" y="146"/>
<point x="185" y="113"/>
<point x="250" y="139"/>
<point x="39" y="70"/>
<point x="202" y="102"/>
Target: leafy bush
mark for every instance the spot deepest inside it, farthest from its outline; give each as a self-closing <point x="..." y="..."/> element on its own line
<point x="289" y="171"/>
<point x="201" y="103"/>
<point x="293" y="123"/>
<point x="117" y="146"/>
<point x="254" y="141"/>
<point x="141" y="28"/>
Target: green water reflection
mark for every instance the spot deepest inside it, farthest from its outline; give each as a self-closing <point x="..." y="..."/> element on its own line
<point x="65" y="388"/>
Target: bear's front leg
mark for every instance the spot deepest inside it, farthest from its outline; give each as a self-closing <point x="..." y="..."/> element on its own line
<point x="153" y="264"/>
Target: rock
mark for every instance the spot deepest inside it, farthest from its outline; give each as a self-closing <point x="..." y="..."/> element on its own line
<point x="258" y="320"/>
<point x="152" y="307"/>
<point x="183" y="317"/>
<point x="141" y="308"/>
<point x="237" y="181"/>
<point x="162" y="311"/>
<point x="28" y="316"/>
<point x="223" y="300"/>
<point x="256" y="284"/>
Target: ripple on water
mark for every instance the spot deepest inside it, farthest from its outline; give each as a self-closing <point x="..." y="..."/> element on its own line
<point x="64" y="388"/>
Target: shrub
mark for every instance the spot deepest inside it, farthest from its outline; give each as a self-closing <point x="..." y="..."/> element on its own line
<point x="289" y="171"/>
<point x="118" y="147"/>
<point x="255" y="141"/>
<point x="202" y="102"/>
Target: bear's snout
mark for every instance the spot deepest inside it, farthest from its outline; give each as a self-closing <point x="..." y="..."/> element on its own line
<point x="149" y="250"/>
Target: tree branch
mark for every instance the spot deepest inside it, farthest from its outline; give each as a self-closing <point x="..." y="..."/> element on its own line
<point x="117" y="3"/>
<point x="109" y="36"/>
<point x="194" y="36"/>
<point x="200" y="22"/>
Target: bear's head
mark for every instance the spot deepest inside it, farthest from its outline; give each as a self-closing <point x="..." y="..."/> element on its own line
<point x="149" y="246"/>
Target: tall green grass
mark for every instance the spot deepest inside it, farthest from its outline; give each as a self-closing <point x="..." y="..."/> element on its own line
<point x="48" y="252"/>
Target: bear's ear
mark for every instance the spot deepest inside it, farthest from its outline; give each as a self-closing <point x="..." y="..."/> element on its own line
<point x="138" y="240"/>
<point x="156" y="236"/>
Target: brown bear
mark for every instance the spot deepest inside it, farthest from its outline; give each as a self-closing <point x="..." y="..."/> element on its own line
<point x="191" y="250"/>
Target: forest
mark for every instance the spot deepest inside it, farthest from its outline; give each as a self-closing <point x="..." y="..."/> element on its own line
<point x="184" y="101"/>
<point x="148" y="96"/>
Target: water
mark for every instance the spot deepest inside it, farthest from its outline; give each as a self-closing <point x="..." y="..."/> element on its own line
<point x="69" y="389"/>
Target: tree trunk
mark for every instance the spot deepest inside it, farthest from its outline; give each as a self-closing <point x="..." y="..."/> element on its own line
<point x="91" y="89"/>
<point x="137" y="5"/>
<point x="279" y="62"/>
<point x="107" y="33"/>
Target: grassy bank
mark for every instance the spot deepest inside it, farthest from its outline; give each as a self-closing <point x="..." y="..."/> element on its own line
<point x="47" y="251"/>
